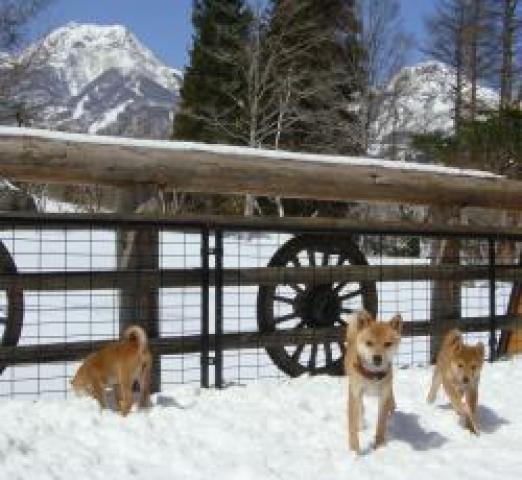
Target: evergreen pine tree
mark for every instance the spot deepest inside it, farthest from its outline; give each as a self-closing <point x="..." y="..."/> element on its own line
<point x="212" y="83"/>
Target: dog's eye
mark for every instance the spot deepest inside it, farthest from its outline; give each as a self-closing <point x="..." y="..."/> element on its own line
<point x="388" y="344"/>
<point x="460" y="365"/>
<point x="369" y="343"/>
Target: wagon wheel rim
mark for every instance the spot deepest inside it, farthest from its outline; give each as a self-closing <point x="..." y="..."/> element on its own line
<point x="300" y="306"/>
<point x="11" y="302"/>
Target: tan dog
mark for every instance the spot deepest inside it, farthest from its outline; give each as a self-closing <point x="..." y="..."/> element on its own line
<point x="371" y="346"/>
<point x="119" y="365"/>
<point x="458" y="370"/>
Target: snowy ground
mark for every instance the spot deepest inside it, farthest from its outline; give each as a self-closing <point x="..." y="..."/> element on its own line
<point x="293" y="429"/>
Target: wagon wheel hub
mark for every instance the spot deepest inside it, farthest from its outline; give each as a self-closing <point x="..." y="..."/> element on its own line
<point x="318" y="306"/>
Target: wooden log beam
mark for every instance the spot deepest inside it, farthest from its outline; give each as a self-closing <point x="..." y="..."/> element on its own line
<point x="71" y="351"/>
<point x="54" y="157"/>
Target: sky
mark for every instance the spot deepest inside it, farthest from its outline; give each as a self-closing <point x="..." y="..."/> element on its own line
<point x="164" y="26"/>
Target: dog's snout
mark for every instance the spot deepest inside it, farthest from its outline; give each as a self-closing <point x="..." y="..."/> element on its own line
<point x="377" y="360"/>
<point x="465" y="379"/>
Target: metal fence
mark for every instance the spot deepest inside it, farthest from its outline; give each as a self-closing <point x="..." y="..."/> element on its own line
<point x="229" y="300"/>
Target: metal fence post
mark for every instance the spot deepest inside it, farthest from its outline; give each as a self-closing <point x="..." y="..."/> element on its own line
<point x="218" y="362"/>
<point x="492" y="301"/>
<point x="205" y="285"/>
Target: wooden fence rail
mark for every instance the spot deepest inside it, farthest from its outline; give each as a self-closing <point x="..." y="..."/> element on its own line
<point x="71" y="351"/>
<point x="167" y="278"/>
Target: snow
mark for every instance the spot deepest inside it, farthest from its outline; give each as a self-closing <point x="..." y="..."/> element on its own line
<point x="79" y="109"/>
<point x="82" y="52"/>
<point x="269" y="430"/>
<point x="249" y="154"/>
<point x="109" y="117"/>
<point x="78" y="72"/>
<point x="421" y="100"/>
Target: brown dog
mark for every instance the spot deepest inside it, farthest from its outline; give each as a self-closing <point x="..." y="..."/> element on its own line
<point x="118" y="364"/>
<point x="371" y="346"/>
<point x="458" y="370"/>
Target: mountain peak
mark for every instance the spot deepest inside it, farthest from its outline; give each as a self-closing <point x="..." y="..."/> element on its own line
<point x="420" y="99"/>
<point x="82" y="52"/>
<point x="98" y="79"/>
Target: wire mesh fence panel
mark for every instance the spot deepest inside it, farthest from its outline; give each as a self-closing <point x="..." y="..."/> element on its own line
<point x="226" y="305"/>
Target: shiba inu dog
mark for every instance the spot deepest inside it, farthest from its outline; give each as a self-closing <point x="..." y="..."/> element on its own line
<point x="370" y="346"/>
<point x="458" y="370"/>
<point x="119" y="365"/>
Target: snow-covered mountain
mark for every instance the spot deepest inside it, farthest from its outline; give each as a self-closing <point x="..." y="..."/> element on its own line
<point x="96" y="79"/>
<point x="419" y="99"/>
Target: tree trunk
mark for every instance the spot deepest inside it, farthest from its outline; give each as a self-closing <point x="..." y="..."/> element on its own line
<point x="508" y="33"/>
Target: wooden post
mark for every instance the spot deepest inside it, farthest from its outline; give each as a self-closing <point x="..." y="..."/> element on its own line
<point x="445" y="294"/>
<point x="138" y="249"/>
<point x="511" y="340"/>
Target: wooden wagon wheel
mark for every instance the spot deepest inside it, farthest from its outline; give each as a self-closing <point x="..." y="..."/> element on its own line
<point x="301" y="306"/>
<point x="11" y="303"/>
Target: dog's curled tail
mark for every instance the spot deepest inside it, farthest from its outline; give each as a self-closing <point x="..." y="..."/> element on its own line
<point x="136" y="334"/>
<point x="452" y="340"/>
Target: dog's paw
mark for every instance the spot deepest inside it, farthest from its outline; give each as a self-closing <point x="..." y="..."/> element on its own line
<point x="472" y="426"/>
<point x="354" y="448"/>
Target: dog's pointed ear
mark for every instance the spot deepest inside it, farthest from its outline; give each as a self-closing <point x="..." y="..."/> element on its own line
<point x="360" y="319"/>
<point x="396" y="323"/>
<point x="454" y="340"/>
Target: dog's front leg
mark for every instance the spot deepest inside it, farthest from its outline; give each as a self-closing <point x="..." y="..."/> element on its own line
<point x="386" y="402"/>
<point x="392" y="406"/>
<point x="472" y="400"/>
<point x="456" y="399"/>
<point x="435" y="385"/>
<point x="98" y="393"/>
<point x="354" y="420"/>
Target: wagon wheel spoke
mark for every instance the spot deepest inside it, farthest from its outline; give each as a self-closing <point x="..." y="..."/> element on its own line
<point x="296" y="288"/>
<point x="326" y="258"/>
<point x="328" y="353"/>
<point x="347" y="296"/>
<point x="340" y="286"/>
<point x="297" y="352"/>
<point x="295" y="261"/>
<point x="313" y="356"/>
<point x="311" y="257"/>
<point x="285" y="318"/>
<point x="342" y="258"/>
<point x="280" y="298"/>
<point x="300" y="325"/>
